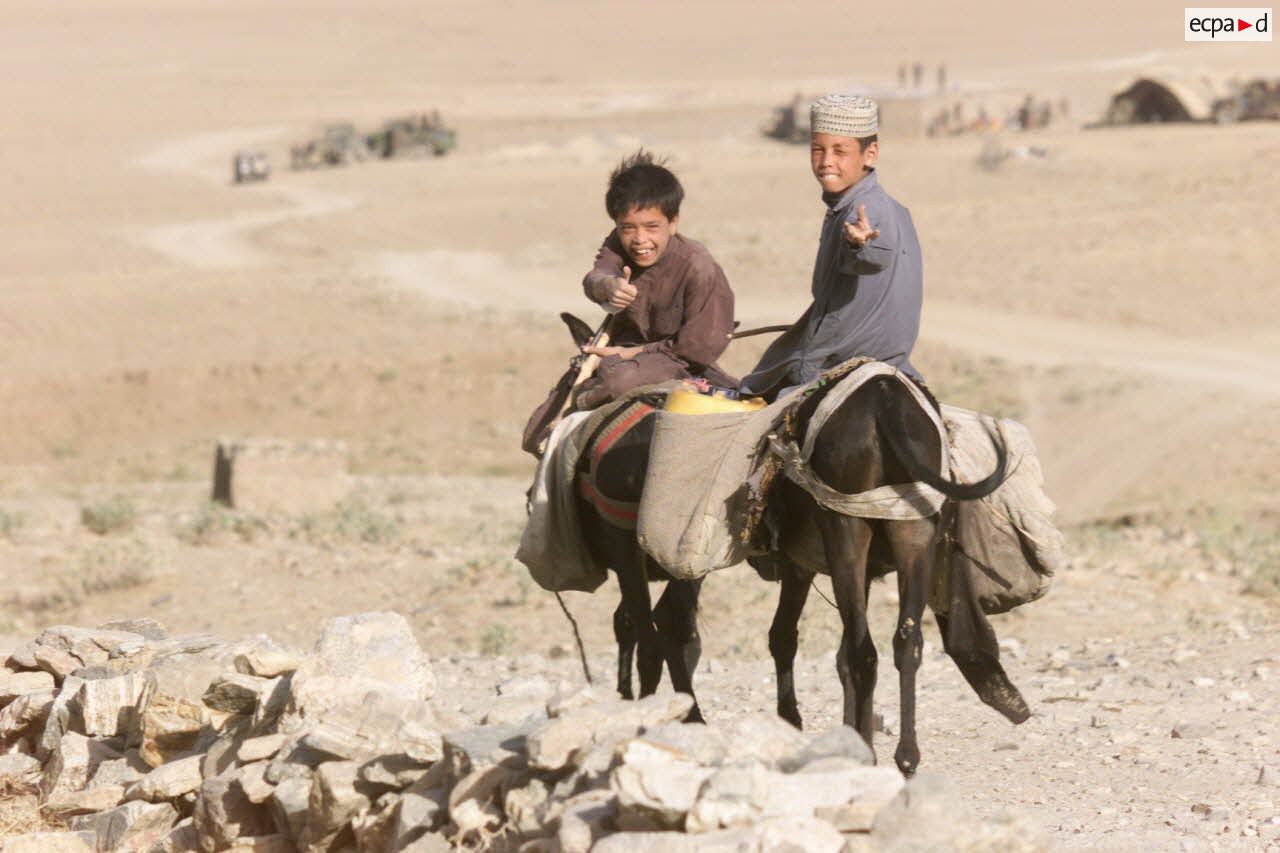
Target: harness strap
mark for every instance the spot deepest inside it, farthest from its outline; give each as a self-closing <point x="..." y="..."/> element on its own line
<point x="898" y="502"/>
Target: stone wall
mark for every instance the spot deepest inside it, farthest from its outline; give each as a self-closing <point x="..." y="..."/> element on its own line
<point x="139" y="741"/>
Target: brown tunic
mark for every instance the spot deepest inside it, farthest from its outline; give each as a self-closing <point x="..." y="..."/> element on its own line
<point x="683" y="309"/>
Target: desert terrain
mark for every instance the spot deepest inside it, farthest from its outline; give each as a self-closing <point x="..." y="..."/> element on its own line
<point x="1116" y="295"/>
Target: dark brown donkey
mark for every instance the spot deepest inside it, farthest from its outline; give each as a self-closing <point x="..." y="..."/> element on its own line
<point x="667" y="633"/>
<point x="879" y="436"/>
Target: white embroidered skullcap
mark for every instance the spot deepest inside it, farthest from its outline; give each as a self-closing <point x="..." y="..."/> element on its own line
<point x="844" y="115"/>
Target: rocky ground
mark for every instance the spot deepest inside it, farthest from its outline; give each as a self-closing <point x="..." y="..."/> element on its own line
<point x="1150" y="666"/>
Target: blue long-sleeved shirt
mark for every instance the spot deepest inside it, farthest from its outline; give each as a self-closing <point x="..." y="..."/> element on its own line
<point x="866" y="302"/>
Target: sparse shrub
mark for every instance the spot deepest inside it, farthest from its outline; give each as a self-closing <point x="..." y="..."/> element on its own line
<point x="213" y="520"/>
<point x="496" y="639"/>
<point x="351" y="519"/>
<point x="110" y="567"/>
<point x="109" y="516"/>
<point x="1252" y="548"/>
<point x="10" y="522"/>
<point x="357" y="520"/>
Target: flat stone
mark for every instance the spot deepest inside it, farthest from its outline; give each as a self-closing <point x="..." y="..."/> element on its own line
<point x="66" y="804"/>
<point x="170" y="727"/>
<point x="290" y="804"/>
<point x="272" y="704"/>
<point x="480" y="789"/>
<point x="117" y="826"/>
<point x="52" y="842"/>
<point x="253" y="780"/>
<point x="168" y="781"/>
<point x="766" y="738"/>
<point x="267" y="660"/>
<point x="235" y="693"/>
<point x="224" y="813"/>
<point x="417" y="812"/>
<point x="1192" y="730"/>
<point x="148" y="629"/>
<point x="655" y="786"/>
<point x="835" y="789"/>
<point x="24" y="714"/>
<point x="372" y="827"/>
<point x="1268" y="777"/>
<point x="261" y="748"/>
<point x="123" y="771"/>
<point x="393" y="771"/>
<point x="294" y="760"/>
<point x="15" y="684"/>
<point x="18" y="768"/>
<point x="524" y="806"/>
<point x="72" y="764"/>
<point x="582" y="820"/>
<point x="553" y="745"/>
<point x="378" y="724"/>
<point x="59" y="720"/>
<point x="181" y="838"/>
<point x="377" y="650"/>
<point x="62" y="649"/>
<point x="481" y="747"/>
<point x="223" y="751"/>
<point x="927" y="814"/>
<point x="108" y="706"/>
<point x="334" y="800"/>
<point x="838" y="742"/>
<point x="691" y="741"/>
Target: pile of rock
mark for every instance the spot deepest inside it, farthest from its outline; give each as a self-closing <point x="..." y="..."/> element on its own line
<point x="142" y="742"/>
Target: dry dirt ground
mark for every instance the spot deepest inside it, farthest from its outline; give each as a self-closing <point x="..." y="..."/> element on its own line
<point x="1117" y="296"/>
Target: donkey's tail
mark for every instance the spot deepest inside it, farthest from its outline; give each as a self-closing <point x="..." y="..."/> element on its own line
<point x="895" y="424"/>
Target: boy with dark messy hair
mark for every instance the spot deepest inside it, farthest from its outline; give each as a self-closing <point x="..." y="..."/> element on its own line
<point x="672" y="303"/>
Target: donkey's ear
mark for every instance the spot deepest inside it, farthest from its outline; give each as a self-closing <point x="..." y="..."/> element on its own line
<point x="580" y="331"/>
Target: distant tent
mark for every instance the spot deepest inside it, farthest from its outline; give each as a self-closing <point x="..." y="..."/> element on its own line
<point x="1151" y="99"/>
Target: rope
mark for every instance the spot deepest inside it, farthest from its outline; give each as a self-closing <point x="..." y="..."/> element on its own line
<point x="577" y="638"/>
<point x="813" y="583"/>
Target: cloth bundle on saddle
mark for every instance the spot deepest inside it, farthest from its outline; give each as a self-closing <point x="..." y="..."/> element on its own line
<point x="710" y="476"/>
<point x="552" y="546"/>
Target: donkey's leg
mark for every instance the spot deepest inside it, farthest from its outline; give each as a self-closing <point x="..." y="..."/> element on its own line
<point x="845" y="541"/>
<point x="634" y="581"/>
<point x="784" y="637"/>
<point x="625" y="633"/>
<point x="676" y="618"/>
<point x="912" y="544"/>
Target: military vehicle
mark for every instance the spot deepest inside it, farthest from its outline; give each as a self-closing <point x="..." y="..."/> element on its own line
<point x="250" y="166"/>
<point x="338" y="145"/>
<point x="1257" y="100"/>
<point x="413" y="135"/>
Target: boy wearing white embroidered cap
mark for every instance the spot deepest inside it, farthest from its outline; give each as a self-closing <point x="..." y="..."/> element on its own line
<point x="868" y="275"/>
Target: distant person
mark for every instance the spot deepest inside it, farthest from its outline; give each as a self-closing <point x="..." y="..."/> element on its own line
<point x="917" y="76"/>
<point x="672" y="305"/>
<point x="1023" y="118"/>
<point x="942" y="79"/>
<point x="868" y="279"/>
<point x="902" y="77"/>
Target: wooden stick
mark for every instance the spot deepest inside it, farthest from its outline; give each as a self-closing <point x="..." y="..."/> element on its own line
<point x="589" y="364"/>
